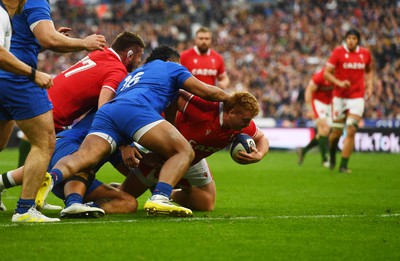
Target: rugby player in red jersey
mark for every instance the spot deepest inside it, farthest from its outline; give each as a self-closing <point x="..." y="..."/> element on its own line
<point x="318" y="98"/>
<point x="349" y="68"/>
<point x="209" y="127"/>
<point x="203" y="62"/>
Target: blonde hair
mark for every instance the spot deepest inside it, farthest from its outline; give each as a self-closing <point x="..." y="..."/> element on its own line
<point x="244" y="100"/>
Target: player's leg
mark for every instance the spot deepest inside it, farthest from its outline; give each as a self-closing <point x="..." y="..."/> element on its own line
<point x="196" y="198"/>
<point x="111" y="200"/>
<point x="75" y="189"/>
<point x="6" y="127"/>
<point x="355" y="112"/>
<point x="40" y="132"/>
<point x="348" y="145"/>
<point x="323" y="130"/>
<point x="92" y="150"/>
<point x="164" y="139"/>
<point x="338" y="118"/>
<point x="23" y="148"/>
<point x="197" y="188"/>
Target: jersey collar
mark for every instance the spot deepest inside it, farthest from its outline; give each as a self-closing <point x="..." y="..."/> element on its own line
<point x="196" y="49"/>
<point x="347" y="49"/>
<point x="114" y="52"/>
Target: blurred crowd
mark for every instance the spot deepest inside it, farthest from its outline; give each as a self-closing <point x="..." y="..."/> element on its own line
<point x="271" y="48"/>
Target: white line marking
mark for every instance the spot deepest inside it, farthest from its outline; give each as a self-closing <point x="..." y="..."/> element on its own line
<point x="99" y="221"/>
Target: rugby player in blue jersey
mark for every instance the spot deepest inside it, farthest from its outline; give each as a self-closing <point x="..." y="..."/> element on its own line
<point x="135" y="115"/>
<point x="25" y="102"/>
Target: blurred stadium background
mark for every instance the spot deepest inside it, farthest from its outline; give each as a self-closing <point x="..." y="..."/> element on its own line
<point x="271" y="48"/>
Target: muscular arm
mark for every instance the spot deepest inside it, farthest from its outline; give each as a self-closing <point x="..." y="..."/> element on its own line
<point x="223" y="81"/>
<point x="10" y="63"/>
<point x="106" y="95"/>
<point x="49" y="38"/>
<point x="311" y="87"/>
<point x="207" y="92"/>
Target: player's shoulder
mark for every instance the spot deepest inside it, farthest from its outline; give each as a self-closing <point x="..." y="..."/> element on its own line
<point x="215" y="53"/>
<point x="36" y="4"/>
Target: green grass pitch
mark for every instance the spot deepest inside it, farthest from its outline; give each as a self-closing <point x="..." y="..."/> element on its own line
<point x="273" y="210"/>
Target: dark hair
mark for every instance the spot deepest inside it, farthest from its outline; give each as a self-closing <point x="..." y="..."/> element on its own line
<point x="353" y="32"/>
<point x="127" y="40"/>
<point x="163" y="53"/>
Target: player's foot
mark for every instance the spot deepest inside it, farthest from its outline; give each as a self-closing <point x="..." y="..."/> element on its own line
<point x="326" y="164"/>
<point x="300" y="156"/>
<point x="44" y="190"/>
<point x="344" y="170"/>
<point x="78" y="210"/>
<point x="2" y="206"/>
<point x="158" y="204"/>
<point x="33" y="215"/>
<point x="48" y="206"/>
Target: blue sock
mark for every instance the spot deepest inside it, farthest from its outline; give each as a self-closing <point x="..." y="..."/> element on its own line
<point x="23" y="205"/>
<point x="163" y="189"/>
<point x="57" y="176"/>
<point x="73" y="198"/>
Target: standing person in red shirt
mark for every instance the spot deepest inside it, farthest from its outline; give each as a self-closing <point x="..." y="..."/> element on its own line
<point x="349" y="68"/>
<point x="318" y="98"/>
<point x="203" y="62"/>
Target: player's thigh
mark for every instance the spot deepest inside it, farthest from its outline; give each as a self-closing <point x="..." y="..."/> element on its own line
<point x="39" y="130"/>
<point x="165" y="139"/>
<point x="92" y="150"/>
<point x="6" y="128"/>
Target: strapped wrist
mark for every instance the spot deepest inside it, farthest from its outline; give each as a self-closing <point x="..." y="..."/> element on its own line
<point x="33" y="74"/>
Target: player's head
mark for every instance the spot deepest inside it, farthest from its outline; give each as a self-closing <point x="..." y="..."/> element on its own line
<point x="130" y="47"/>
<point x="203" y="39"/>
<point x="164" y="53"/>
<point x="352" y="38"/>
<point x="240" y="108"/>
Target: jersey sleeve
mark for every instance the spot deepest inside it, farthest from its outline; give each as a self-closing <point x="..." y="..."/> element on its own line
<point x="178" y="72"/>
<point x="334" y="58"/>
<point x="36" y="11"/>
<point x="199" y="108"/>
<point x="251" y="130"/>
<point x="113" y="79"/>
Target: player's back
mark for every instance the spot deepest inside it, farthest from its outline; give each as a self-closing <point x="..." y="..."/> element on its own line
<point x="156" y="83"/>
<point x="77" y="89"/>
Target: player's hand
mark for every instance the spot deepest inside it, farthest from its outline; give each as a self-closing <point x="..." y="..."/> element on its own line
<point x="130" y="155"/>
<point x="344" y="84"/>
<point x="43" y="80"/>
<point x="368" y="93"/>
<point x="64" y="30"/>
<point x="247" y="158"/>
<point x="94" y="42"/>
<point x="310" y="114"/>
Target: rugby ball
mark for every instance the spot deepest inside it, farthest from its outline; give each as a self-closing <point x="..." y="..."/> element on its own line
<point x="242" y="142"/>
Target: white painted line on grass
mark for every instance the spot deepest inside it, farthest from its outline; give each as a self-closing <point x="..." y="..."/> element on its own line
<point x="100" y="221"/>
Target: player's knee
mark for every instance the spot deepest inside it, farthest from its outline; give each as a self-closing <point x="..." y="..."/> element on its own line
<point x="351" y="125"/>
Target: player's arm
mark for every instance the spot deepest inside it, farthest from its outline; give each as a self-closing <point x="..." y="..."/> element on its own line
<point x="310" y="89"/>
<point x="258" y="153"/>
<point x="50" y="38"/>
<point x="205" y="91"/>
<point x="106" y="95"/>
<point x="329" y="76"/>
<point x="369" y="78"/>
<point x="10" y="63"/>
<point x="223" y="81"/>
